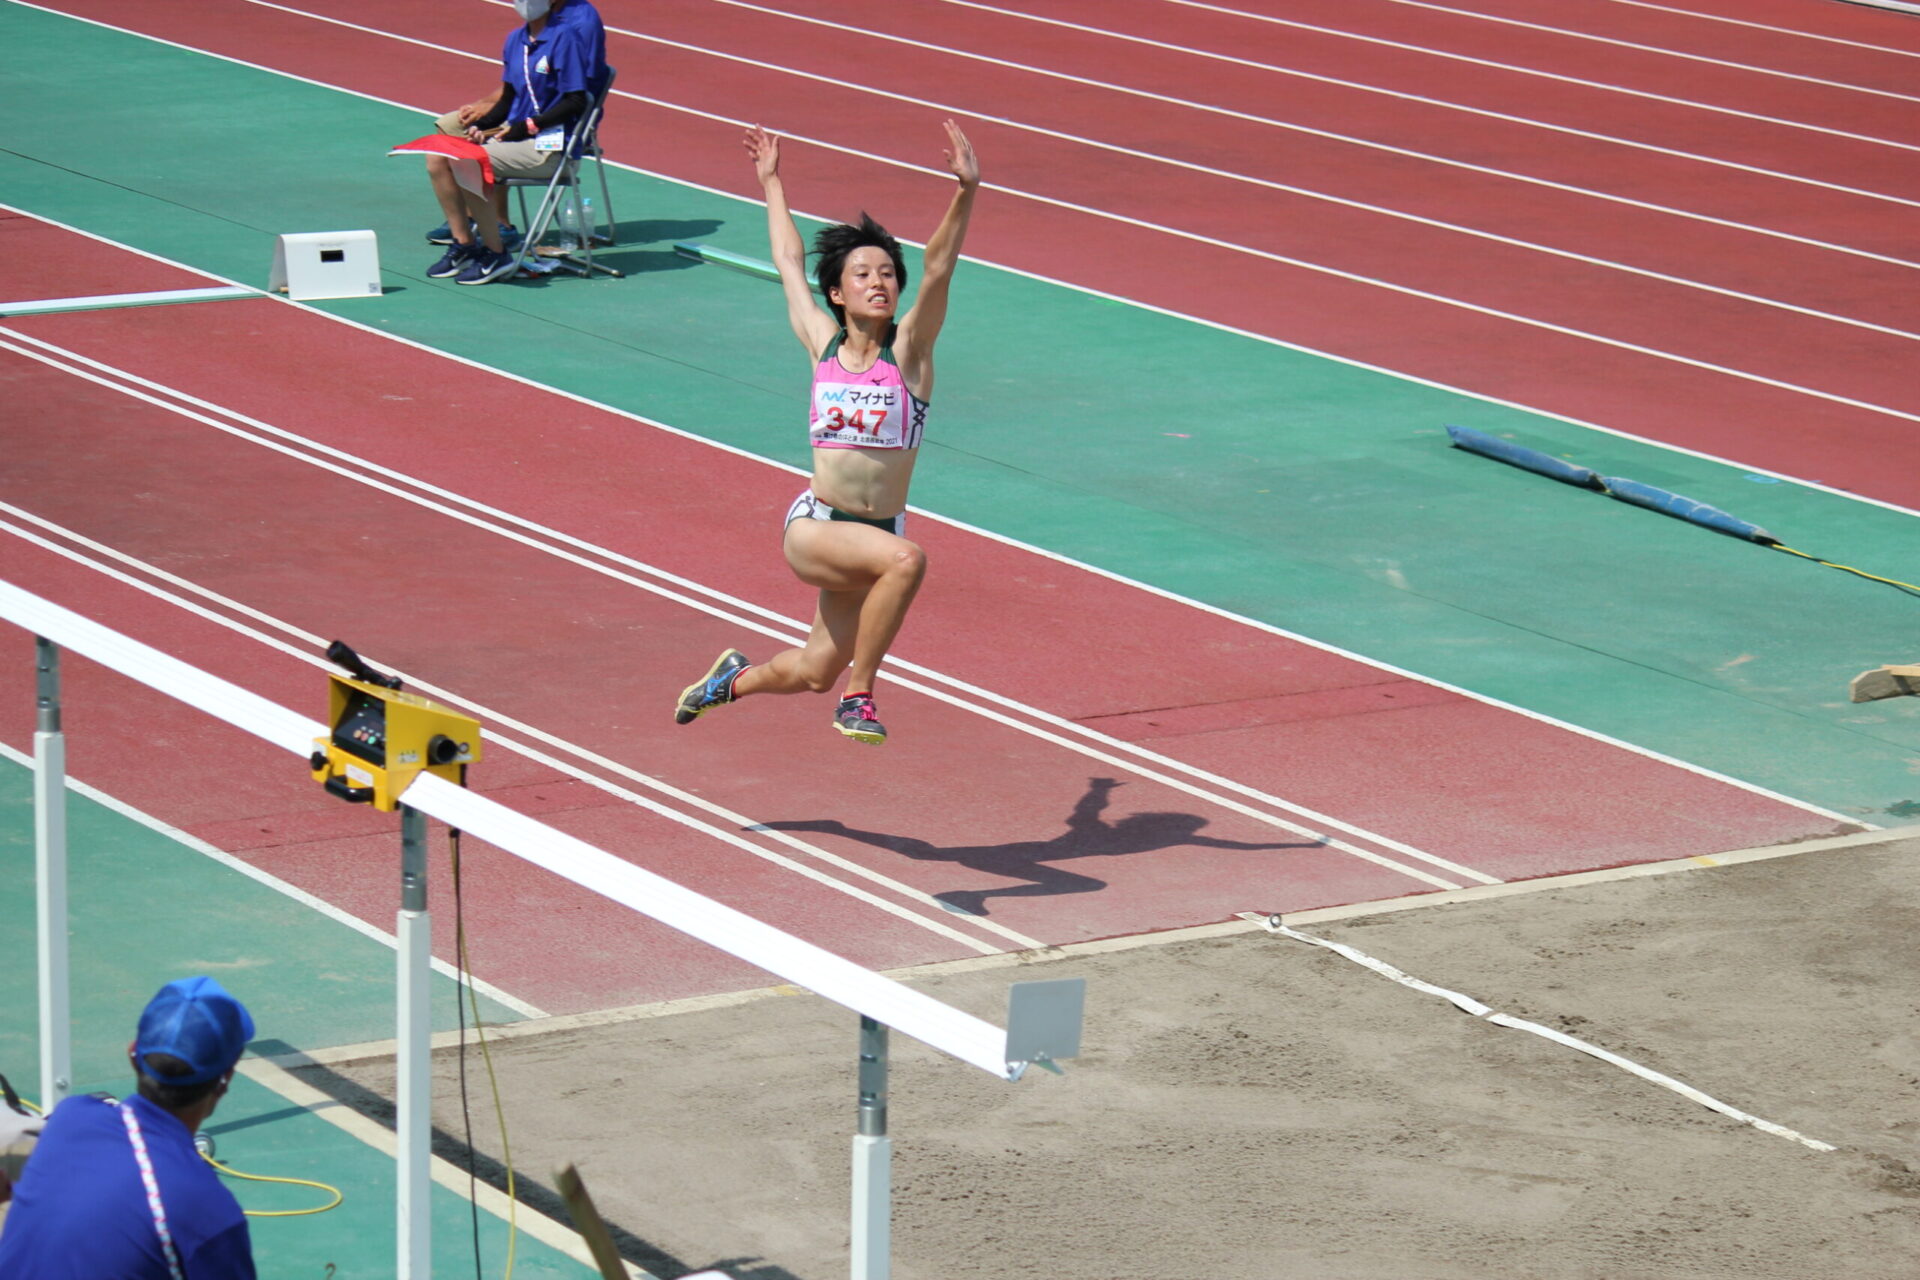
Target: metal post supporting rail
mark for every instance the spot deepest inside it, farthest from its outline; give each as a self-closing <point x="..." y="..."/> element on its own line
<point x="1043" y="1018"/>
<point x="413" y="1084"/>
<point x="872" y="1161"/>
<point x="50" y="877"/>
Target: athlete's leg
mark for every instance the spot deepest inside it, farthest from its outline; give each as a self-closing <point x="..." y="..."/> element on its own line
<point x="816" y="666"/>
<point x="884" y="568"/>
<point x="884" y="609"/>
<point x="867" y="578"/>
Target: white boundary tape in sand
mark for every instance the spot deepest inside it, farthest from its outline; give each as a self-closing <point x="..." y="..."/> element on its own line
<point x="1468" y="1004"/>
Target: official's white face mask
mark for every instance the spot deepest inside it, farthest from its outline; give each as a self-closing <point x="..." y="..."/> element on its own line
<point x="532" y="10"/>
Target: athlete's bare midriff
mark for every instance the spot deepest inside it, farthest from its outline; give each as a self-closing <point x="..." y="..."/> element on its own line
<point x="864" y="482"/>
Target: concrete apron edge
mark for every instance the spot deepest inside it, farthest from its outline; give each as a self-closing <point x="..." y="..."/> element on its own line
<point x="559" y="1023"/>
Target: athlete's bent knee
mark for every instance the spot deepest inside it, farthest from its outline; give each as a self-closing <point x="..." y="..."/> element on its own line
<point x="816" y="678"/>
<point x="909" y="562"/>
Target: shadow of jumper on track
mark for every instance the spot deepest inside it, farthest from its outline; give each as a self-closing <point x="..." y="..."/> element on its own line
<point x="1088" y="835"/>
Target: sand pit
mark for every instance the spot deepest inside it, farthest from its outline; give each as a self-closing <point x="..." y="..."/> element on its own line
<point x="1253" y="1108"/>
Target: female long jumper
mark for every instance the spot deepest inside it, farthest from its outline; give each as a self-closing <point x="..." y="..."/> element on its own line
<point x="872" y="381"/>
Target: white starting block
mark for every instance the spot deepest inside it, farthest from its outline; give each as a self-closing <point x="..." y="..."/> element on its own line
<point x="326" y="264"/>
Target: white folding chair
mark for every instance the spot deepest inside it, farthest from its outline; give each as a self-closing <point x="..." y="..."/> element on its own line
<point x="562" y="189"/>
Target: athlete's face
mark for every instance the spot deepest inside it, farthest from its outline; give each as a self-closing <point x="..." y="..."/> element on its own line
<point x="869" y="285"/>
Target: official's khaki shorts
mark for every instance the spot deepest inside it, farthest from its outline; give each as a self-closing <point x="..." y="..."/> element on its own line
<point x="510" y="159"/>
<point x="13" y="1159"/>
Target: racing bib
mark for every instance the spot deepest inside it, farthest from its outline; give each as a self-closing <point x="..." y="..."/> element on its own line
<point x="860" y="416"/>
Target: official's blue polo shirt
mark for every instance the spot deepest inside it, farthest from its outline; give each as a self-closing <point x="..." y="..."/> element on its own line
<point x="80" y="1210"/>
<point x="568" y="56"/>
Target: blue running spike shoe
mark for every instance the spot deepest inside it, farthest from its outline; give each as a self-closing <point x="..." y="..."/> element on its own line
<point x="715" y="689"/>
<point x="510" y="236"/>
<point x="443" y="234"/>
<point x="854" y="718"/>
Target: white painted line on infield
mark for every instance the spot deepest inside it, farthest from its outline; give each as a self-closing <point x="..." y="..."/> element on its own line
<point x="270" y="1075"/>
<point x="273" y="882"/>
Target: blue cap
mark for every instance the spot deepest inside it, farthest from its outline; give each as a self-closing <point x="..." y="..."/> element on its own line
<point x="198" y="1022"/>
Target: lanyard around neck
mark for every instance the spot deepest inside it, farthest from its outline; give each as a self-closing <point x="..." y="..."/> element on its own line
<point x="526" y="75"/>
<point x="159" y="1211"/>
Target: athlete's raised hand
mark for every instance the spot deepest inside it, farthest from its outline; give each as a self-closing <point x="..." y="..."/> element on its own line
<point x="764" y="150"/>
<point x="960" y="157"/>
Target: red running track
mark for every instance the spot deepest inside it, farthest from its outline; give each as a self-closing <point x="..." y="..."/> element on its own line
<point x="1505" y="66"/>
<point x="960" y="804"/>
<point x="1783" y="429"/>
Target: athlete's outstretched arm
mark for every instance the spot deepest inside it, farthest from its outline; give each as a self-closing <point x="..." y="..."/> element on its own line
<point x="921" y="325"/>
<point x="811" y="325"/>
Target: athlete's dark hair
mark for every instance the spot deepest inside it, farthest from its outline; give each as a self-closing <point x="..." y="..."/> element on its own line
<point x="836" y="242"/>
<point x="151" y="1076"/>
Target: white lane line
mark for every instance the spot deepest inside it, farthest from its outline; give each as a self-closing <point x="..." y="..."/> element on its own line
<point x="311" y="657"/>
<point x="1317" y="268"/>
<point x="1648" y="48"/>
<point x="1099" y="213"/>
<point x="1239" y="619"/>
<point x="984" y="702"/>
<point x="1785" y="31"/>
<point x="952" y="109"/>
<point x="788" y="631"/>
<point x="1303" y="264"/>
<point x="311" y="644"/>
<point x="270" y="1074"/>
<point x="1349" y="139"/>
<point x="1269" y="184"/>
<point x="1899" y="6"/>
<point x="1565" y="79"/>
<point x="275" y="883"/>
<point x="1441" y="103"/>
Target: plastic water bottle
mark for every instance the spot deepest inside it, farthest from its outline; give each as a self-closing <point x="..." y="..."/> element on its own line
<point x="586" y="220"/>
<point x="567" y="227"/>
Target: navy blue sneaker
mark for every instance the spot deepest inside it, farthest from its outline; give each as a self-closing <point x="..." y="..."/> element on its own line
<point x="854" y="718"/>
<point x="510" y="235"/>
<point x="486" y="266"/>
<point x="715" y="689"/>
<point x="453" y="262"/>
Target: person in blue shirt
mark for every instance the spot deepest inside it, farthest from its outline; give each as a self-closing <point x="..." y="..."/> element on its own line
<point x="115" y="1190"/>
<point x="551" y="68"/>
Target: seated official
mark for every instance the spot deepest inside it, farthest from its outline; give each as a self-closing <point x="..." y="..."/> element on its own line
<point x="550" y="69"/>
<point x="454" y="125"/>
<point x="19" y="1130"/>
<point x="115" y="1190"/>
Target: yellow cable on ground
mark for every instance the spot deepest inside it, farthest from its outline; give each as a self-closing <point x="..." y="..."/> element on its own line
<point x="1847" y="568"/>
<point x="30" y="1105"/>
<point x="493" y="1082"/>
<point x="295" y="1182"/>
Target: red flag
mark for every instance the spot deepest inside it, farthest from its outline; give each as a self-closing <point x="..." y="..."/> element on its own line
<point x="472" y="164"/>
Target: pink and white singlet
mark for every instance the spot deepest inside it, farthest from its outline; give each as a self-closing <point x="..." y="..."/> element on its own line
<point x="871" y="410"/>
